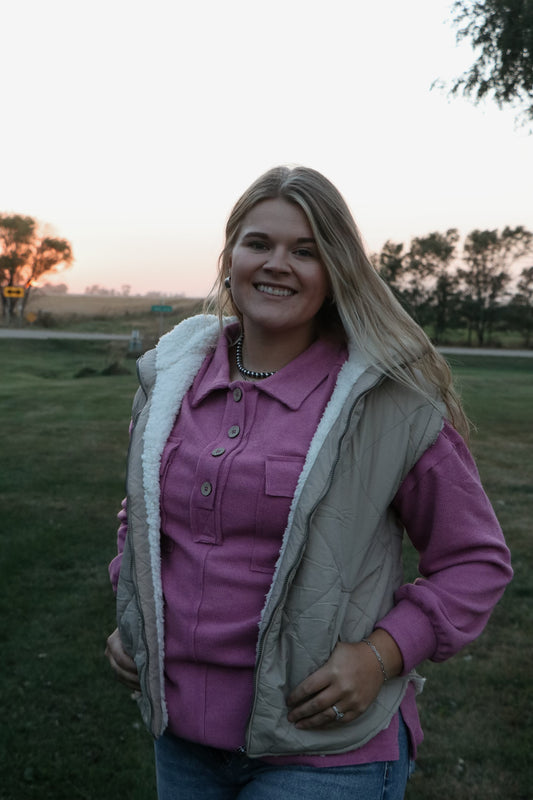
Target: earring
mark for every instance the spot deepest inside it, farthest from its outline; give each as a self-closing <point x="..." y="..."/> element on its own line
<point x="227" y="283"/>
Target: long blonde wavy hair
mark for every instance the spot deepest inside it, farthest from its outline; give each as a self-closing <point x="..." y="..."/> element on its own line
<point x="362" y="304"/>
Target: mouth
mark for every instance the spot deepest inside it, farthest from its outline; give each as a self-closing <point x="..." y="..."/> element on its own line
<point x="277" y="291"/>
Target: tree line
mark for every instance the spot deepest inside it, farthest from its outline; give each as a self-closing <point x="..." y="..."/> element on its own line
<point x="444" y="289"/>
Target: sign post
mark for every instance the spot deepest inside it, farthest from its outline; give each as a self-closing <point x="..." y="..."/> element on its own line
<point x="13" y="291"/>
<point x="159" y="309"/>
<point x="13" y="295"/>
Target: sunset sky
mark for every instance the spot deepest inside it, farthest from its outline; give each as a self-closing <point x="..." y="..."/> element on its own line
<point x="132" y="127"/>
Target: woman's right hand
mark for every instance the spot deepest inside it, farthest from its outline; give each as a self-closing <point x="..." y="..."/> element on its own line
<point x="121" y="663"/>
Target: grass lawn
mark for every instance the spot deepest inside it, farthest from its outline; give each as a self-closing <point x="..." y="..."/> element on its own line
<point x="477" y="709"/>
<point x="69" y="730"/>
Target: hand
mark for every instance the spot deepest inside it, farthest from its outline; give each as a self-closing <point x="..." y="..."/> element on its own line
<point x="350" y="679"/>
<point x="121" y="663"/>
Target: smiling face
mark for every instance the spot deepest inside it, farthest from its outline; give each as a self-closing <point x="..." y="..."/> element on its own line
<point x="278" y="281"/>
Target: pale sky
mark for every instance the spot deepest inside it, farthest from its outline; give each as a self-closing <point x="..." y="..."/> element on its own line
<point x="131" y="127"/>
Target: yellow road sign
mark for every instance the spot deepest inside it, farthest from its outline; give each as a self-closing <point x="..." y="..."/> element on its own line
<point x="13" y="291"/>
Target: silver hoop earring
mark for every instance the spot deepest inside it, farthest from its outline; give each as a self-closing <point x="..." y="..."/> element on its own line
<point x="227" y="283"/>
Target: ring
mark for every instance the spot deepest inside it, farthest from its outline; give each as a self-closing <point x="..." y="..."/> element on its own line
<point x="338" y="714"/>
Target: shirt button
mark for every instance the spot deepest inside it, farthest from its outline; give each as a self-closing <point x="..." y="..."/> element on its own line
<point x="206" y="489"/>
<point x="237" y="394"/>
<point x="218" y="451"/>
<point x="234" y="431"/>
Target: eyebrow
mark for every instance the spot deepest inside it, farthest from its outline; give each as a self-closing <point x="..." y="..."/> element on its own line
<point x="261" y="235"/>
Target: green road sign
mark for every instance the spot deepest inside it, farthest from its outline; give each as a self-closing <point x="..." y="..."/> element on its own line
<point x="162" y="309"/>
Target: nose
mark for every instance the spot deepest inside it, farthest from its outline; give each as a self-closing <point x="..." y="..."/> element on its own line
<point x="277" y="260"/>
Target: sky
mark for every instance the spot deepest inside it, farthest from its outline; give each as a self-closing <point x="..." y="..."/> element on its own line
<point x="130" y="128"/>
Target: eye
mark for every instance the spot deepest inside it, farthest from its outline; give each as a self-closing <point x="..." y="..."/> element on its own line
<point x="305" y="252"/>
<point x="257" y="244"/>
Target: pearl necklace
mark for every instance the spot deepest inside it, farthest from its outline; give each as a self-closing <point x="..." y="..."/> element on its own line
<point x="248" y="373"/>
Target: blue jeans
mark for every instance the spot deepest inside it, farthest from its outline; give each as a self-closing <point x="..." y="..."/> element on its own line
<point x="188" y="771"/>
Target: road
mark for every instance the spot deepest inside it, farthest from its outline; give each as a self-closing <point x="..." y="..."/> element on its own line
<point x="30" y="333"/>
<point x="483" y="351"/>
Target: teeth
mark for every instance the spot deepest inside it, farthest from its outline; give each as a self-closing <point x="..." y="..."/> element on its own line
<point x="274" y="290"/>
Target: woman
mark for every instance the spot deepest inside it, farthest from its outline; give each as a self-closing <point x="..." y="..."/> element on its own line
<point x="280" y="453"/>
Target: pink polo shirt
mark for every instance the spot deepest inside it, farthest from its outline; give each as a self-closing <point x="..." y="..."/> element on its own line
<point x="228" y="474"/>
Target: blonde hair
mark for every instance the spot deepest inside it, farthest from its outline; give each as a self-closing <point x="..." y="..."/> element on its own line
<point x="362" y="304"/>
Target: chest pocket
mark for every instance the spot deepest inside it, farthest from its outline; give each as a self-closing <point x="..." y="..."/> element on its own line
<point x="281" y="478"/>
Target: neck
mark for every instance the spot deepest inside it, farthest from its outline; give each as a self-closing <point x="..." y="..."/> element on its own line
<point x="268" y="352"/>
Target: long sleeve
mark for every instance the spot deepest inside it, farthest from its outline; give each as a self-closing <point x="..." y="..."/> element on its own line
<point x="464" y="562"/>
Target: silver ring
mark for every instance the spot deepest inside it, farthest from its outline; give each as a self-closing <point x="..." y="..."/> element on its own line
<point x="338" y="714"/>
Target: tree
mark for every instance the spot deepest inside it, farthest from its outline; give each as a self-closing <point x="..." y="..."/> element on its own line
<point x="523" y="303"/>
<point x="420" y="277"/>
<point x="428" y="262"/>
<point x="54" y="288"/>
<point x="25" y="256"/>
<point x="488" y="256"/>
<point x="502" y="32"/>
<point x="390" y="265"/>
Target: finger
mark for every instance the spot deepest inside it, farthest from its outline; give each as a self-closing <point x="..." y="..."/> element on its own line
<point x="317" y="708"/>
<point x="125" y="674"/>
<point x="326" y="718"/>
<point x="308" y="689"/>
<point x="334" y="670"/>
<point x="116" y="649"/>
<point x="129" y="680"/>
<point x="123" y="660"/>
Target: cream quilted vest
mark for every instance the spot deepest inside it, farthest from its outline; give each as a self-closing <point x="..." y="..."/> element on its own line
<point x="340" y="560"/>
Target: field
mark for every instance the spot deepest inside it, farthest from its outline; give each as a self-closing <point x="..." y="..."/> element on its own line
<point x="69" y="730"/>
<point x="112" y="314"/>
<point x="90" y="306"/>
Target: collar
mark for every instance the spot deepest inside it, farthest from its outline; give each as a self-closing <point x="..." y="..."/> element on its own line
<point x="290" y="385"/>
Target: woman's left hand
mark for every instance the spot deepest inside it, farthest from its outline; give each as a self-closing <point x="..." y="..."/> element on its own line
<point x="350" y="680"/>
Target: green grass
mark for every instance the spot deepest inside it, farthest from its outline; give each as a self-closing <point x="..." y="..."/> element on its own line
<point x="68" y="729"/>
<point x="477" y="709"/>
<point x="458" y="337"/>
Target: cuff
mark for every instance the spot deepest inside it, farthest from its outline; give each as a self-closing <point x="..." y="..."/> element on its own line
<point x="412" y="631"/>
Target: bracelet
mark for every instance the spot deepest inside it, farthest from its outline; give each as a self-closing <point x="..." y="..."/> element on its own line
<point x="378" y="656"/>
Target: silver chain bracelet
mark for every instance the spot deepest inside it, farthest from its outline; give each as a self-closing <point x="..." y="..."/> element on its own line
<point x="378" y="656"/>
